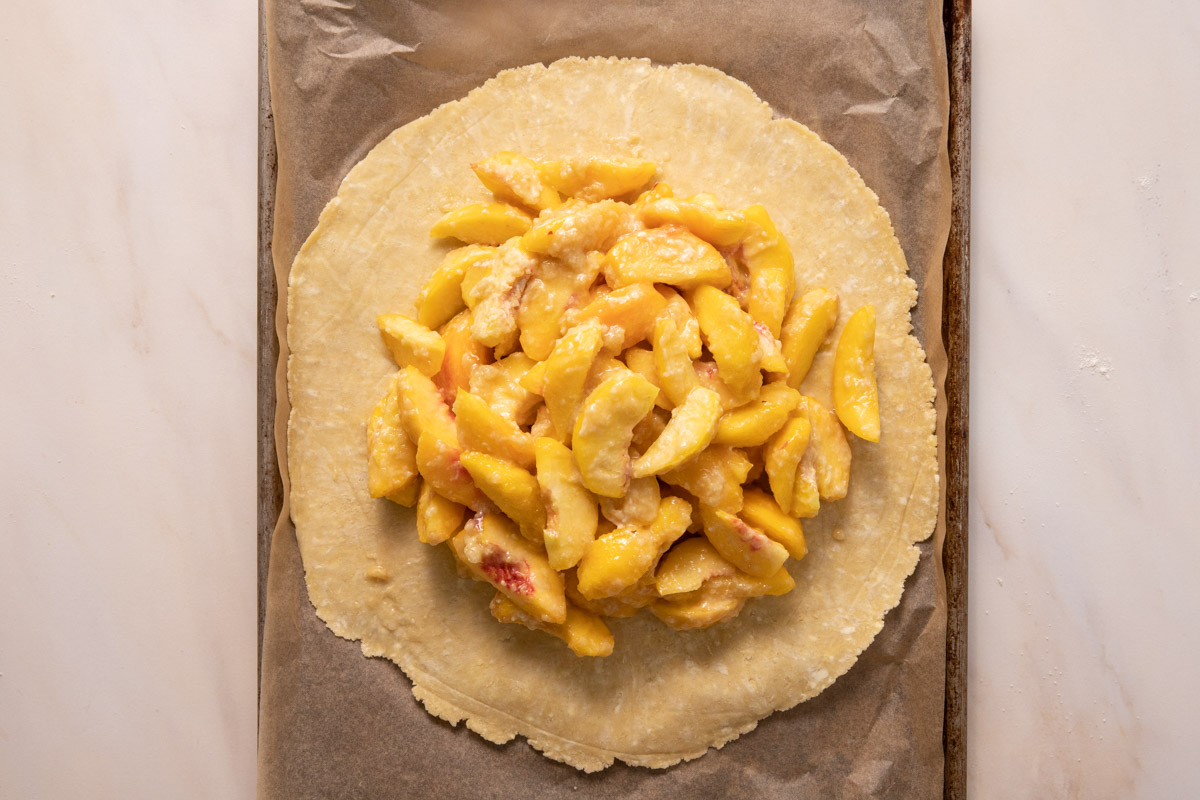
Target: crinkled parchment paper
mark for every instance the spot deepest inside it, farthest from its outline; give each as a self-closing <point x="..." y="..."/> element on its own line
<point x="870" y="78"/>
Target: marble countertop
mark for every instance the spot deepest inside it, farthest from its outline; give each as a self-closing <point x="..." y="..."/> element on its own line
<point x="127" y="305"/>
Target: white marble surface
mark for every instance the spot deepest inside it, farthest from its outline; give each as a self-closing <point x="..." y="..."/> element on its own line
<point x="127" y="305"/>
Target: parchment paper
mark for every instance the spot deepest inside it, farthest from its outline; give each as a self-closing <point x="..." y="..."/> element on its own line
<point x="870" y="78"/>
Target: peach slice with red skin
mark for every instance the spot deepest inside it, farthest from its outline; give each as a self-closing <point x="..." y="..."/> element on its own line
<point x="749" y="549"/>
<point x="760" y="511"/>
<point x="492" y="551"/>
<point x="463" y="354"/>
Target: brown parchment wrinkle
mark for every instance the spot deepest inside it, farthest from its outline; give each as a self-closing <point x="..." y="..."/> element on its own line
<point x="388" y="611"/>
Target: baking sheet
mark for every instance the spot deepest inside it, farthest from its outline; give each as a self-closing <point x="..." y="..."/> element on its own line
<point x="870" y="80"/>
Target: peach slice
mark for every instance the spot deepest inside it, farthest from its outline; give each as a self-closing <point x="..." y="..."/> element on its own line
<point x="631" y="310"/>
<point x="772" y="269"/>
<point x="714" y="225"/>
<point x="714" y="476"/>
<point x="492" y="551"/>
<point x="482" y="223"/>
<point x="671" y="254"/>
<point x="584" y="633"/>
<point x="463" y="355"/>
<point x="685" y="322"/>
<point x="437" y="518"/>
<point x="749" y="549"/>
<point x="575" y="229"/>
<point x="688" y="564"/>
<point x="571" y="514"/>
<point x="830" y="451"/>
<point x="595" y="179"/>
<point x="422" y="408"/>
<point x="638" y="506"/>
<point x="480" y="428"/>
<point x="411" y="343"/>
<point x="641" y="361"/>
<point x="438" y="461"/>
<point x="761" y="511"/>
<point x="604" y="430"/>
<point x="622" y="605"/>
<point x="496" y="297"/>
<point x="696" y="612"/>
<point x="855" y="395"/>
<point x="500" y="386"/>
<point x="515" y="179"/>
<point x="649" y="429"/>
<point x="566" y="374"/>
<point x="757" y="421"/>
<point x="676" y="374"/>
<point x="731" y="338"/>
<point x="772" y="351"/>
<point x="618" y="560"/>
<point x="514" y="490"/>
<point x="693" y="425"/>
<point x="805" y="327"/>
<point x="442" y="296"/>
<point x="391" y="455"/>
<point x="781" y="458"/>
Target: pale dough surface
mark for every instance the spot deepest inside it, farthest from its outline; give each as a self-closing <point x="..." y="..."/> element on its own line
<point x="663" y="696"/>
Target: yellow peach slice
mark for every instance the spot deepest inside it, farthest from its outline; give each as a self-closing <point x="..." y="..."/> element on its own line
<point x="566" y="375"/>
<point x="772" y="351"/>
<point x="463" y="355"/>
<point x="676" y="374"/>
<point x="422" y="408"/>
<point x="696" y="612"/>
<point x="515" y="179"/>
<point x="855" y="396"/>
<point x="584" y="633"/>
<point x="543" y="303"/>
<point x="482" y="429"/>
<point x="500" y="386"/>
<point x="638" y="506"/>
<point x="688" y="565"/>
<point x="771" y="267"/>
<point x="671" y="254"/>
<point x="492" y="551"/>
<point x="391" y="455"/>
<point x="631" y="310"/>
<point x="595" y="179"/>
<point x="761" y="511"/>
<point x="741" y="585"/>
<point x="514" y="490"/>
<point x="496" y="297"/>
<point x="411" y="343"/>
<point x="482" y="223"/>
<point x="693" y="425"/>
<point x="685" y="322"/>
<point x="619" y="559"/>
<point x="757" y="421"/>
<point x="604" y="430"/>
<point x="571" y="514"/>
<point x="534" y="380"/>
<point x="649" y="429"/>
<point x="439" y="464"/>
<point x="442" y="296"/>
<point x="641" y="361"/>
<point x="781" y="459"/>
<point x="437" y="518"/>
<point x="831" y="451"/>
<point x="731" y="338"/>
<point x="655" y="192"/>
<point x="805" y="327"/>
<point x="575" y="229"/>
<point x="749" y="549"/>
<point x="714" y="225"/>
<point x="714" y="476"/>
